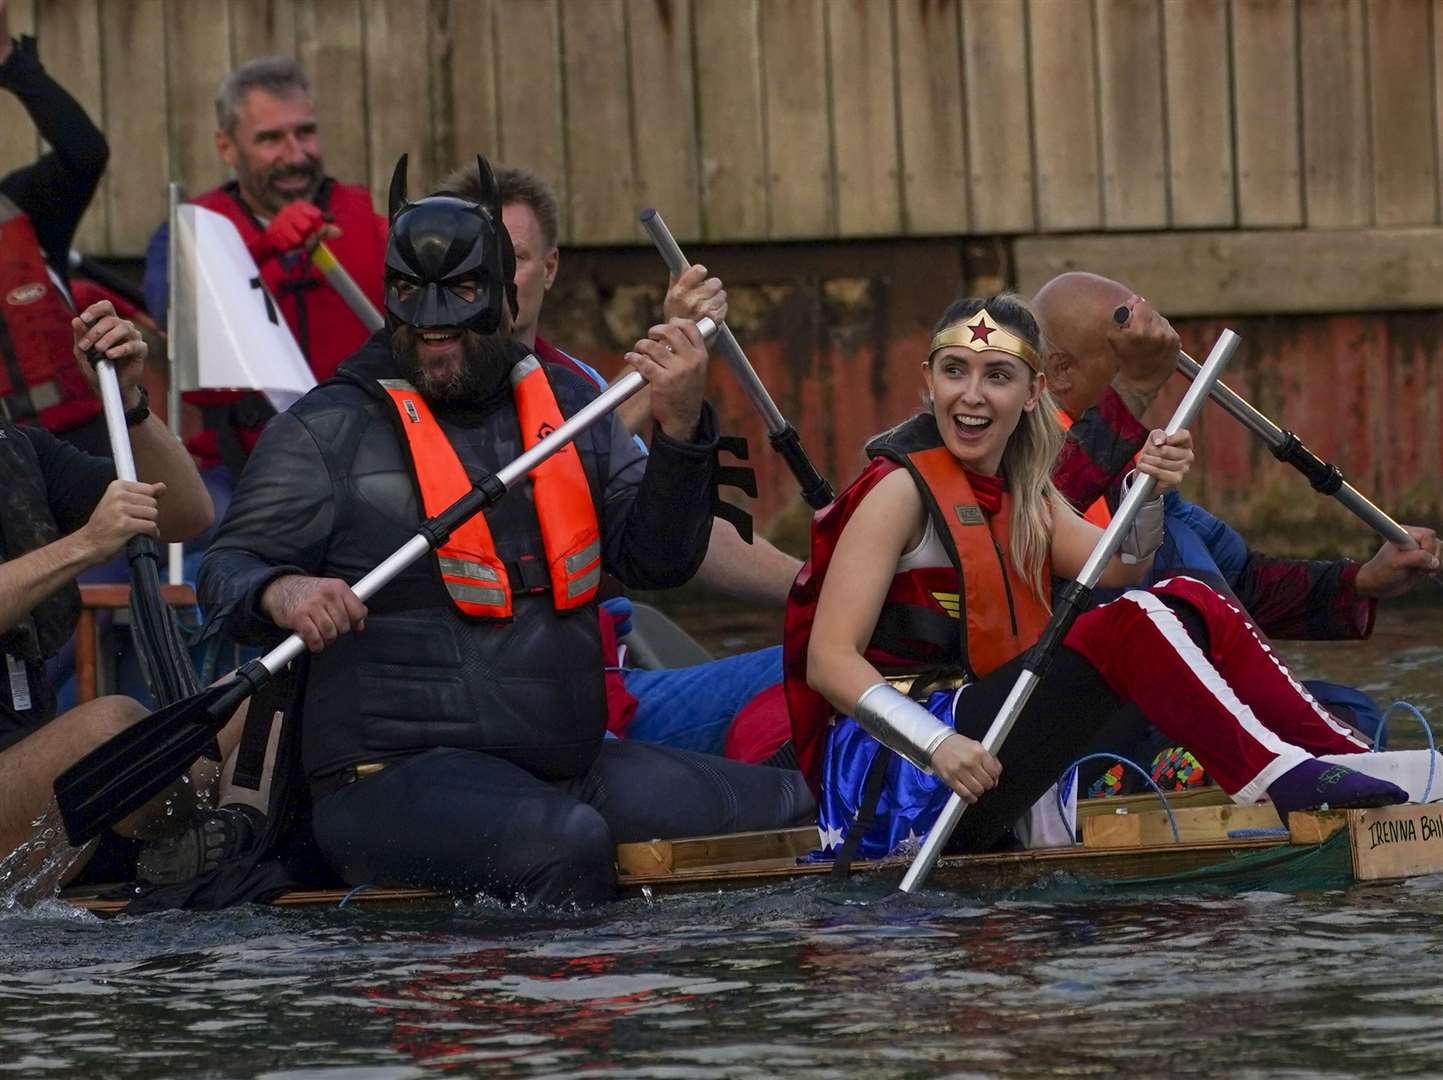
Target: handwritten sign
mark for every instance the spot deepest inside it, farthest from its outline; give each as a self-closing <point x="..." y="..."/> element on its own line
<point x="1396" y="841"/>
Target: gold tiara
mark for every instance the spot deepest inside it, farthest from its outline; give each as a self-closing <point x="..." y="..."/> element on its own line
<point x="981" y="333"/>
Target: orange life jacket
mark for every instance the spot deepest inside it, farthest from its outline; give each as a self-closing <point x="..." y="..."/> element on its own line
<point x="474" y="575"/>
<point x="40" y="381"/>
<point x="1098" y="513"/>
<point x="994" y="613"/>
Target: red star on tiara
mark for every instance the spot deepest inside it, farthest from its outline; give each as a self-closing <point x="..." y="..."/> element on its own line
<point x="981" y="331"/>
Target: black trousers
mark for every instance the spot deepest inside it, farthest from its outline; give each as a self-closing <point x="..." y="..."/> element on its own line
<point x="1071" y="711"/>
<point x="467" y="822"/>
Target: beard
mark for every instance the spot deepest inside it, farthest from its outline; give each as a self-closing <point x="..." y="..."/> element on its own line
<point x="486" y="362"/>
<point x="262" y="185"/>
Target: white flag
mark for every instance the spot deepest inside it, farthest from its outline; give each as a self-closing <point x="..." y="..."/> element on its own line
<point x="226" y="331"/>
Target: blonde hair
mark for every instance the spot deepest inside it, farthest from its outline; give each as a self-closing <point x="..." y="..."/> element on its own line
<point x="1031" y="449"/>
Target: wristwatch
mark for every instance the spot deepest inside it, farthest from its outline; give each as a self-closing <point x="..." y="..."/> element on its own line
<point x="138" y="414"/>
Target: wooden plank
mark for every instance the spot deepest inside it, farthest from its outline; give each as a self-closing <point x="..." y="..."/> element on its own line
<point x="1315" y="826"/>
<point x="21" y="145"/>
<point x="1337" y="178"/>
<point x="998" y="116"/>
<point x="663" y="103"/>
<point x="1254" y="272"/>
<point x="1199" y="113"/>
<point x="1193" y="826"/>
<point x="1134" y="138"/>
<point x="261" y="28"/>
<point x="69" y="30"/>
<point x="798" y="139"/>
<point x="733" y="148"/>
<point x="864" y="118"/>
<point x="197" y="51"/>
<point x="598" y="122"/>
<point x="330" y="44"/>
<point x="1064" y="123"/>
<point x="1265" y="112"/>
<point x="696" y="852"/>
<point x="929" y="90"/>
<point x="398" y="102"/>
<point x="135" y="191"/>
<point x="529" y="92"/>
<point x="1405" y="184"/>
<point x="467" y="60"/>
<point x="1396" y="841"/>
<point x="1191" y="798"/>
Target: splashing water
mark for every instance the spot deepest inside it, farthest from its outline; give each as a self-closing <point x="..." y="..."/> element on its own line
<point x="34" y="871"/>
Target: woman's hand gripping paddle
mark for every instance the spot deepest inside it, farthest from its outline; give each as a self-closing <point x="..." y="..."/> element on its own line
<point x="125" y="773"/>
<point x="1070" y="604"/>
<point x="783" y="436"/>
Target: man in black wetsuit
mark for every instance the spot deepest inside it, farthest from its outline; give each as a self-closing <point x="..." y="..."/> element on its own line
<point x="40" y="206"/>
<point x="453" y="731"/>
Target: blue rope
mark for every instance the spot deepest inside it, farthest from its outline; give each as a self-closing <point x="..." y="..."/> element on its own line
<point x="1171" y="820"/>
<point x="347" y="898"/>
<point x="1256" y="834"/>
<point x="1408" y="706"/>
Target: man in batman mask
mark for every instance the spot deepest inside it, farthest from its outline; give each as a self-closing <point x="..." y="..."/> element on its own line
<point x="452" y="729"/>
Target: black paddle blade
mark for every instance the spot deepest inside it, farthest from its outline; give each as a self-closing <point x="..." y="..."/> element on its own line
<point x="122" y="775"/>
<point x="164" y="658"/>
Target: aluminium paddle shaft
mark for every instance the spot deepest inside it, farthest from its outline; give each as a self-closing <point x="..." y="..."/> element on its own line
<point x="434" y="532"/>
<point x="1325" y="477"/>
<point x="324" y="260"/>
<point x="1073" y="599"/>
<point x="783" y="436"/>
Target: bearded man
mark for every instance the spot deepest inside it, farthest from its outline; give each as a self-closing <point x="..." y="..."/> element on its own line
<point x="453" y="731"/>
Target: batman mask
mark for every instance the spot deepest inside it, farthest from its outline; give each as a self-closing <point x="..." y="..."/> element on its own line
<point x="449" y="262"/>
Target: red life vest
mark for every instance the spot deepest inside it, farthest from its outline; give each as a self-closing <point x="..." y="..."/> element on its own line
<point x="475" y="576"/>
<point x="325" y="328"/>
<point x="971" y="617"/>
<point x="40" y="381"/>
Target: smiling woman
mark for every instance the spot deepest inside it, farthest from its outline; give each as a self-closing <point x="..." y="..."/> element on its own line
<point x="930" y="577"/>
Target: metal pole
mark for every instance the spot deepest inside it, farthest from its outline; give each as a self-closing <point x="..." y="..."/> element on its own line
<point x="175" y="556"/>
<point x="508" y="476"/>
<point x="325" y="261"/>
<point x="782" y="435"/>
<point x="1067" y="611"/>
<point x="1326" y="478"/>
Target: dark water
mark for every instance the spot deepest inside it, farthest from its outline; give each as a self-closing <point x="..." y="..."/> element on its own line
<point x="794" y="980"/>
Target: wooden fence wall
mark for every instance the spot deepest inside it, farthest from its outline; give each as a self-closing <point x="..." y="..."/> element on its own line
<point x="788" y="119"/>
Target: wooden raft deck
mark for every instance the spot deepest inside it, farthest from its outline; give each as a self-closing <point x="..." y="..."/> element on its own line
<point x="1220" y="845"/>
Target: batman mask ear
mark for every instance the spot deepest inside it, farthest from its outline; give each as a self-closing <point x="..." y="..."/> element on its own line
<point x="398" y="188"/>
<point x="490" y="191"/>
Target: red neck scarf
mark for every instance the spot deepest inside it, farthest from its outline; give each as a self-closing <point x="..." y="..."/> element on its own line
<point x="988" y="490"/>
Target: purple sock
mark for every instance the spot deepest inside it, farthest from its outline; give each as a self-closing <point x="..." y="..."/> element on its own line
<point x="1314" y="783"/>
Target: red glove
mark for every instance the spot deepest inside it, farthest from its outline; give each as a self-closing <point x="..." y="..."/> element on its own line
<point x="290" y="229"/>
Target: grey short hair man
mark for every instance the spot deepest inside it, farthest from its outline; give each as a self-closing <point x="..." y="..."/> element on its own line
<point x="279" y="76"/>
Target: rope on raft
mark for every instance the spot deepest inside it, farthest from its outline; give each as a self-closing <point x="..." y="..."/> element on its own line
<point x="1408" y="706"/>
<point x="1171" y="820"/>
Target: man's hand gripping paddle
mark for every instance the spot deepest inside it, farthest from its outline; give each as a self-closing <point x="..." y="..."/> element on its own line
<point x="1073" y="599"/>
<point x="784" y="438"/>
<point x="125" y="773"/>
<point x="164" y="658"/>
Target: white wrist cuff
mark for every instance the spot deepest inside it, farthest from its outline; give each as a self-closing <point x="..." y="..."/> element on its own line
<point x="1145" y="536"/>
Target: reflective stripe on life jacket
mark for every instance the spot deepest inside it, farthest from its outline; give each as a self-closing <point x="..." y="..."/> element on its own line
<point x="39" y="379"/>
<point x="1098" y="513"/>
<point x="997" y="615"/>
<point x="474" y="574"/>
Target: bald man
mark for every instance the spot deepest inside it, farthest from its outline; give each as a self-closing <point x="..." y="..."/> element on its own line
<point x="1107" y="372"/>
